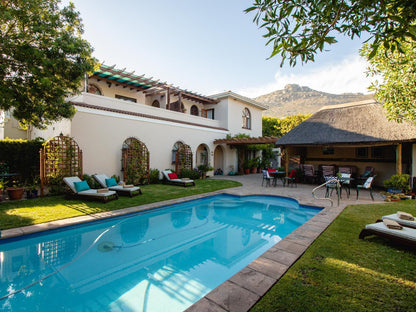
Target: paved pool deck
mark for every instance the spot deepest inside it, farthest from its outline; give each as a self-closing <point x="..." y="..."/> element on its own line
<point x="245" y="288"/>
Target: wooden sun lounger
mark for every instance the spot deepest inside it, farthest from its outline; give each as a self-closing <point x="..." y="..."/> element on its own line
<point x="181" y="182"/>
<point x="406" y="236"/>
<point x="120" y="189"/>
<point x="88" y="194"/>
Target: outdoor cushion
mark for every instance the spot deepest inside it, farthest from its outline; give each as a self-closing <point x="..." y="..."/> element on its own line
<point x="81" y="186"/>
<point x="172" y="175"/>
<point x="110" y="182"/>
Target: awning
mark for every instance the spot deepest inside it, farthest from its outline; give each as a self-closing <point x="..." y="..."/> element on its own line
<point x="246" y="141"/>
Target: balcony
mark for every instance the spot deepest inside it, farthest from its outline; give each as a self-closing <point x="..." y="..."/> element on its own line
<point x="141" y="110"/>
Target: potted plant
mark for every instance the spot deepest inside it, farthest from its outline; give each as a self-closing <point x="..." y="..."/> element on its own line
<point x="3" y="184"/>
<point x="32" y="189"/>
<point x="253" y="165"/>
<point x="15" y="192"/>
<point x="204" y="169"/>
<point x="398" y="183"/>
<point x="246" y="166"/>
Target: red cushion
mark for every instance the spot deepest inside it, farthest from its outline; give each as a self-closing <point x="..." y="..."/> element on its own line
<point x="172" y="175"/>
<point x="271" y="170"/>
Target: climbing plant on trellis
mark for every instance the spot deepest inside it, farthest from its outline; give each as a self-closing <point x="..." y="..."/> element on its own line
<point x="183" y="159"/>
<point x="135" y="161"/>
<point x="59" y="157"/>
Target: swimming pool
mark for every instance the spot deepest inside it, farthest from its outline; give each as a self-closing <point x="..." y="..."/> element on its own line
<point x="162" y="260"/>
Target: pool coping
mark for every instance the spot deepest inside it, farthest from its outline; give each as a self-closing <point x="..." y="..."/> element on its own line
<point x="245" y="288"/>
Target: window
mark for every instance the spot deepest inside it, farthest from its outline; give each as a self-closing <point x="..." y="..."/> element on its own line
<point x="210" y="114"/>
<point x="361" y="152"/>
<point x="126" y="98"/>
<point x="246" y="119"/>
<point x="156" y="103"/>
<point x="194" y="110"/>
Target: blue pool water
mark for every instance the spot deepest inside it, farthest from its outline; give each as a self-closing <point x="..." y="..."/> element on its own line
<point x="162" y="260"/>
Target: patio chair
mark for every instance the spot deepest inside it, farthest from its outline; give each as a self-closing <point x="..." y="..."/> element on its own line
<point x="332" y="184"/>
<point x="399" y="217"/>
<point x="366" y="186"/>
<point x="81" y="190"/>
<point x="112" y="185"/>
<point x="172" y="178"/>
<point x="309" y="173"/>
<point x="345" y="181"/>
<point x="266" y="177"/>
<point x="403" y="235"/>
<point x="369" y="171"/>
<point x="290" y="179"/>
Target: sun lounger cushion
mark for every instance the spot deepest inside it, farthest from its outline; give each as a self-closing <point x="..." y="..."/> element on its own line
<point x="405" y="233"/>
<point x="405" y="216"/>
<point x="391" y="224"/>
<point x="396" y="218"/>
<point x="110" y="182"/>
<point x="81" y="186"/>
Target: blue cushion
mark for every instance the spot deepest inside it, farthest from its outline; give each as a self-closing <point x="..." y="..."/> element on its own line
<point x="81" y="186"/>
<point x="110" y="182"/>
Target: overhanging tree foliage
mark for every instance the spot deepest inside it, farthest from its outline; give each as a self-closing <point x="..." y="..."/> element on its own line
<point x="277" y="127"/>
<point x="301" y="28"/>
<point x="43" y="59"/>
<point x="397" y="89"/>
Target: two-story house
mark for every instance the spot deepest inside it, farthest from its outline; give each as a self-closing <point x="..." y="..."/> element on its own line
<point x="116" y="105"/>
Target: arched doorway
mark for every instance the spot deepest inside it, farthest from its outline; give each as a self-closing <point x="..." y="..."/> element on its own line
<point x="219" y="159"/>
<point x="202" y="155"/>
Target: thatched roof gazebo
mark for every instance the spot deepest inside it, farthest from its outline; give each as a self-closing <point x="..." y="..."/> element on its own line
<point x="351" y="126"/>
<point x="358" y="122"/>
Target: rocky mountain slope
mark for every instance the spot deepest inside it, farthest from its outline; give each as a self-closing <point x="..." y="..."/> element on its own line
<point x="294" y="99"/>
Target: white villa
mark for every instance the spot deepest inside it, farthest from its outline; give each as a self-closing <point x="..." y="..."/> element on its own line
<point x="116" y="105"/>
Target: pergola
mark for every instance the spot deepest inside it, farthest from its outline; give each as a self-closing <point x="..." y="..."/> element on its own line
<point x="119" y="77"/>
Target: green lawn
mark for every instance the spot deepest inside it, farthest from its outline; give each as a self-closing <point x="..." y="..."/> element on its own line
<point x="27" y="212"/>
<point x="340" y="272"/>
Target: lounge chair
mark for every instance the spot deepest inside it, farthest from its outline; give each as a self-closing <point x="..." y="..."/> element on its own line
<point x="111" y="184"/>
<point x="405" y="235"/>
<point x="404" y="222"/>
<point x="80" y="189"/>
<point x="172" y="178"/>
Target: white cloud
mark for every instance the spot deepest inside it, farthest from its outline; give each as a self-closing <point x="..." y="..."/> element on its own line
<point x="347" y="76"/>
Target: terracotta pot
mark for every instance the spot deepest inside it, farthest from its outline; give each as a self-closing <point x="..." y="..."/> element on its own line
<point x="15" y="193"/>
<point x="246" y="171"/>
<point x="254" y="170"/>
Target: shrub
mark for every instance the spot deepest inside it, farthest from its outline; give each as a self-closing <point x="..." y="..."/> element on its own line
<point x="91" y="181"/>
<point x="398" y="181"/>
<point x="154" y="176"/>
<point x="191" y="174"/>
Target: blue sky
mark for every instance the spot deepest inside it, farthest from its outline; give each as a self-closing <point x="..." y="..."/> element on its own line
<point x="208" y="47"/>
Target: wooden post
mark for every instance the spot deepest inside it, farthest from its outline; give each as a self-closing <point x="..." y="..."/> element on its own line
<point x="180" y="102"/>
<point x="287" y="158"/>
<point x="42" y="173"/>
<point x="399" y="159"/>
<point x="168" y="99"/>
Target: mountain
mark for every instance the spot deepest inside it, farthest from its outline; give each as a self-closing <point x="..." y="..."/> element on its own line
<point x="294" y="99"/>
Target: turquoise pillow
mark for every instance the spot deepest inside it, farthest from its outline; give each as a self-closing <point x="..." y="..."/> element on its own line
<point x="111" y="182"/>
<point x="81" y="186"/>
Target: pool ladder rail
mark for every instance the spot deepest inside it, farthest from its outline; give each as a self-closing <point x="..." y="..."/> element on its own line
<point x="324" y="185"/>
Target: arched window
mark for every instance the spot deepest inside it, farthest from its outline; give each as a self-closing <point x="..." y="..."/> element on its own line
<point x="92" y="88"/>
<point x="156" y="103"/>
<point x="194" y="110"/>
<point x="246" y="119"/>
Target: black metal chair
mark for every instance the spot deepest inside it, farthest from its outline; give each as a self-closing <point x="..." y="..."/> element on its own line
<point x="367" y="185"/>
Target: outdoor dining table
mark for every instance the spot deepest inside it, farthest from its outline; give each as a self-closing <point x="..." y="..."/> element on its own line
<point x="278" y="175"/>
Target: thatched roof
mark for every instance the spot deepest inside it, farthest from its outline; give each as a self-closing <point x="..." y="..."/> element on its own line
<point x="351" y="123"/>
